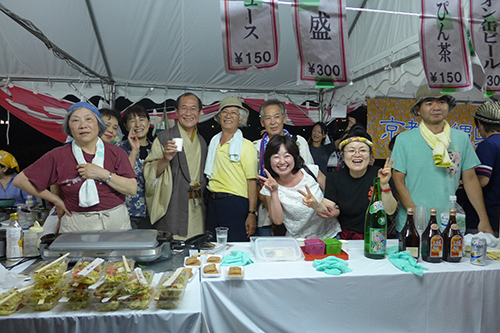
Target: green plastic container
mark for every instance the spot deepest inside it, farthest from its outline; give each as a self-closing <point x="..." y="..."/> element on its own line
<point x="333" y="246"/>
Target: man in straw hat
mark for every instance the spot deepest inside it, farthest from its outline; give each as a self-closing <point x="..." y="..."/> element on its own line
<point x="487" y="119"/>
<point x="429" y="160"/>
<point x="231" y="168"/>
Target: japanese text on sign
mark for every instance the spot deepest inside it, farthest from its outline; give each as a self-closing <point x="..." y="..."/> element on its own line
<point x="250" y="35"/>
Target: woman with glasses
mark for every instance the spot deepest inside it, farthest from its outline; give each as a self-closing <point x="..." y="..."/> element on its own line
<point x="351" y="187"/>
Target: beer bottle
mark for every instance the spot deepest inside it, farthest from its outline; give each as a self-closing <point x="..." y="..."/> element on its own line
<point x="375" y="225"/>
<point x="432" y="242"/>
<point x="452" y="239"/>
<point x="409" y="240"/>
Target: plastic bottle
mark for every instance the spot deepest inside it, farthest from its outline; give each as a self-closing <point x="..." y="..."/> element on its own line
<point x="31" y="241"/>
<point x="445" y="215"/>
<point x="14" y="233"/>
<point x="29" y="201"/>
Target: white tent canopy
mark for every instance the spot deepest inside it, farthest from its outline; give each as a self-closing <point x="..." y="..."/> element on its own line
<point x="160" y="49"/>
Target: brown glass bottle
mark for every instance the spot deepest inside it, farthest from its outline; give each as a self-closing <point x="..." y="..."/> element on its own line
<point x="453" y="239"/>
<point x="409" y="240"/>
<point x="432" y="241"/>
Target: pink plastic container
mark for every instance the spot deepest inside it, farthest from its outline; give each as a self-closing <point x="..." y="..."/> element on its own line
<point x="315" y="246"/>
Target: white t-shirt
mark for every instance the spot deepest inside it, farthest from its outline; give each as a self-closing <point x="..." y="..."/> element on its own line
<point x="300" y="220"/>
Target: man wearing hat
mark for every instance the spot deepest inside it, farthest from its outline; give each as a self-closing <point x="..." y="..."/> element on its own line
<point x="487" y="120"/>
<point x="429" y="160"/>
<point x="273" y="117"/>
<point x="174" y="176"/>
<point x="231" y="168"/>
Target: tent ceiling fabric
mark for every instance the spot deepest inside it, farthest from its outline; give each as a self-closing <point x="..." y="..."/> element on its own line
<point x="177" y="44"/>
<point x="174" y="46"/>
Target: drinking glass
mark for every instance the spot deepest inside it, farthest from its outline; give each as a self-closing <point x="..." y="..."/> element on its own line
<point x="421" y="219"/>
<point x="221" y="235"/>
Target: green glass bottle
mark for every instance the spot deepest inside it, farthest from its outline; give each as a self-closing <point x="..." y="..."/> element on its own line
<point x="375" y="225"/>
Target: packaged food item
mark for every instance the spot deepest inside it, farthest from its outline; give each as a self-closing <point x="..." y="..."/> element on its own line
<point x="44" y="297"/>
<point x="171" y="289"/>
<point x="11" y="301"/>
<point x="115" y="270"/>
<point x="75" y="303"/>
<point x="139" y="301"/>
<point x="87" y="270"/>
<point x="137" y="284"/>
<point x="106" y="304"/>
<point x="51" y="272"/>
<point x="235" y="271"/>
<point x="106" y="290"/>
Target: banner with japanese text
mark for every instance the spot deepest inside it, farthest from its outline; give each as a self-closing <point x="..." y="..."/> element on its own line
<point x="250" y="35"/>
<point x="389" y="117"/>
<point x="485" y="18"/>
<point x="444" y="47"/>
<point x="321" y="32"/>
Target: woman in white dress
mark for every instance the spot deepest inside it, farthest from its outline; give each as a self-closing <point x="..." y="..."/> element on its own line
<point x="288" y="178"/>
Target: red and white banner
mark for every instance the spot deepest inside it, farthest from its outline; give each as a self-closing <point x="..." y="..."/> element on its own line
<point x="320" y="29"/>
<point x="250" y="35"/>
<point x="443" y="46"/>
<point x="44" y="113"/>
<point x="485" y="18"/>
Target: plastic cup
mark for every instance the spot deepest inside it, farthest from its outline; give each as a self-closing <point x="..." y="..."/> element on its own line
<point x="221" y="235"/>
<point x="178" y="143"/>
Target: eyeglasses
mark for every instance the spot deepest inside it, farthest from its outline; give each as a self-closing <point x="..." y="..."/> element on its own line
<point x="362" y="151"/>
<point x="230" y="113"/>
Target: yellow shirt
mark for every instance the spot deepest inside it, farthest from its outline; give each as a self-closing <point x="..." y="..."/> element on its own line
<point x="231" y="177"/>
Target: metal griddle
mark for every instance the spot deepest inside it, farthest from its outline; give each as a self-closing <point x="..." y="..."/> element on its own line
<point x="141" y="245"/>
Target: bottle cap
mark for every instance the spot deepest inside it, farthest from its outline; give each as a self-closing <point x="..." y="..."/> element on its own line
<point x="433" y="211"/>
<point x="410" y="211"/>
<point x="453" y="211"/>
<point x="453" y="198"/>
<point x="14" y="216"/>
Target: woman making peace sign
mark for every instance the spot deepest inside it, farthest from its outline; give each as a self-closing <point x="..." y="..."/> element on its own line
<point x="286" y="175"/>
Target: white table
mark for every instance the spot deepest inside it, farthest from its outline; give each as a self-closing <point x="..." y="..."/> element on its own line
<point x="374" y="297"/>
<point x="186" y="318"/>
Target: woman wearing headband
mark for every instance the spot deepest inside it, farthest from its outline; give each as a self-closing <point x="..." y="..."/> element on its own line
<point x="351" y="187"/>
<point x="8" y="171"/>
<point x="93" y="176"/>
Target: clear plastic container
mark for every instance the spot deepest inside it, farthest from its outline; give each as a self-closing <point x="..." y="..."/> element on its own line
<point x="15" y="302"/>
<point x="50" y="272"/>
<point x="133" y="286"/>
<point x="171" y="289"/>
<point x="115" y="272"/>
<point x="106" y="304"/>
<point x="90" y="278"/>
<point x="277" y="249"/>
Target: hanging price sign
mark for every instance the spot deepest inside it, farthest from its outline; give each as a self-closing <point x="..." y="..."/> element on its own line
<point x="443" y="46"/>
<point x="322" y="42"/>
<point x="250" y="35"/>
<point x="485" y="18"/>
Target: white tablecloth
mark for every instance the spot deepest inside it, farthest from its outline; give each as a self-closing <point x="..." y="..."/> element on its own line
<point x="186" y="318"/>
<point x="374" y="297"/>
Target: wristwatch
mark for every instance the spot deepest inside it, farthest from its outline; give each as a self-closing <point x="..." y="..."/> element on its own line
<point x="253" y="212"/>
<point x="109" y="178"/>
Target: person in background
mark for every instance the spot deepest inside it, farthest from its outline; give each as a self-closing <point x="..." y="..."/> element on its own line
<point x="272" y="118"/>
<point x="429" y="160"/>
<point x="319" y="151"/>
<point x="136" y="122"/>
<point x="111" y="119"/>
<point x="487" y="120"/>
<point x="284" y="191"/>
<point x="8" y="171"/>
<point x="351" y="187"/>
<point x="231" y="168"/>
<point x="175" y="180"/>
<point x="93" y="176"/>
<point x="350" y="123"/>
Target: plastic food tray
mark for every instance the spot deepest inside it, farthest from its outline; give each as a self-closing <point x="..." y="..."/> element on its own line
<point x="312" y="257"/>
